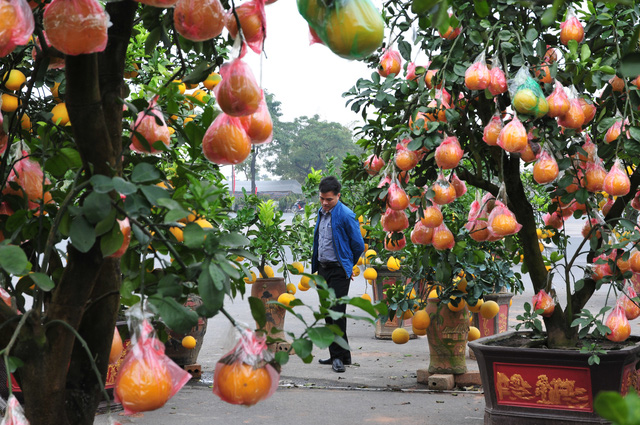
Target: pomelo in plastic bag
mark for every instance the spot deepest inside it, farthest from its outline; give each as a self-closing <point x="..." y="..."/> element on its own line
<point x="238" y="93"/>
<point x="492" y="130"/>
<point x="513" y="136"/>
<point x="459" y="185"/>
<point x="614" y="131"/>
<point x="16" y="25"/>
<point x="616" y="182"/>
<point x="125" y="229"/>
<point x="545" y="169"/>
<point x="28" y="175"/>
<point x="558" y="102"/>
<point x="76" y="27"/>
<point x="390" y="63"/>
<point x="226" y="142"/>
<point x="631" y="309"/>
<point x="259" y="126"/>
<point x="421" y="234"/>
<point x="352" y="29"/>
<point x="574" y="118"/>
<point x="149" y="129"/>
<point x="397" y="198"/>
<point x="477" y="222"/>
<point x="395" y="241"/>
<point x="571" y="29"/>
<point x="554" y="220"/>
<point x="477" y="76"/>
<point x="14" y="413"/>
<point x="502" y="222"/>
<point x="373" y="164"/>
<point x="432" y="216"/>
<point x="543" y="301"/>
<point x="442" y="238"/>
<point x="394" y="221"/>
<point x="199" y="20"/>
<point x="443" y="191"/>
<point x="619" y="325"/>
<point x="594" y="176"/>
<point x="588" y="109"/>
<point x="253" y="21"/>
<point x="449" y="153"/>
<point x="498" y="81"/>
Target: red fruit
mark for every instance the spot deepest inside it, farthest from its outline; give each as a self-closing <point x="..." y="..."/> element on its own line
<point x="449" y="153"/>
<point x="238" y="93"/>
<point x="397" y="198"/>
<point x="635" y="203"/>
<point x="607" y="206"/>
<point x="543" y="301"/>
<point x="373" y="164"/>
<point x="29" y="176"/>
<point x="530" y="152"/>
<point x="588" y="228"/>
<point x="571" y="29"/>
<point x="502" y="222"/>
<point x="116" y="347"/>
<point x="634" y="261"/>
<point x="394" y="221"/>
<point x="406" y="159"/>
<point x="617" y="84"/>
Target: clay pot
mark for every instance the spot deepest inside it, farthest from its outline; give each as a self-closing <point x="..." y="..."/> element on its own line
<point x="447" y="336"/>
<point x="173" y="347"/>
<point x="269" y="290"/>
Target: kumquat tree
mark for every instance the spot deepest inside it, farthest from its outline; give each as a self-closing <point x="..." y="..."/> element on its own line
<point x="513" y="100"/>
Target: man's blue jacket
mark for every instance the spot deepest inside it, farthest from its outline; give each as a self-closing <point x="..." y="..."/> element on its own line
<point x="347" y="239"/>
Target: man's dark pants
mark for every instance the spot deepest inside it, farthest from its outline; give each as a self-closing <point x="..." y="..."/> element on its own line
<point x="336" y="278"/>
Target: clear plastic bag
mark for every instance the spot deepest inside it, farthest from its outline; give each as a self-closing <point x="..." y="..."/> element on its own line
<point x="199" y="20"/>
<point x="616" y="182"/>
<point x="478" y="76"/>
<point x="14" y="414"/>
<point x="394" y="221"/>
<point x="253" y="21"/>
<point x="502" y="222"/>
<point x="247" y="374"/>
<point x="76" y="27"/>
<point x="449" y="153"/>
<point x="148" y="129"/>
<point x="498" y="80"/>
<point x="526" y="95"/>
<point x="238" y="93"/>
<point x="259" y="126"/>
<point x="147" y="378"/>
<point x="558" y="102"/>
<point x="352" y="29"/>
<point x="19" y="26"/>
<point x="226" y="142"/>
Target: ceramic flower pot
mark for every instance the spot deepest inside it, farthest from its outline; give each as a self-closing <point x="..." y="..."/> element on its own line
<point x="447" y="336"/>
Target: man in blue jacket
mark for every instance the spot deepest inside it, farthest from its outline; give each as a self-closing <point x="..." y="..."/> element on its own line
<point x="337" y="245"/>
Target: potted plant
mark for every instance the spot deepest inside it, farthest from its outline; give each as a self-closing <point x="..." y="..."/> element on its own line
<point x="545" y="124"/>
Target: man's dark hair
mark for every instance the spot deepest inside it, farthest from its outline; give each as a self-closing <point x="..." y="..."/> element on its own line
<point x="330" y="184"/>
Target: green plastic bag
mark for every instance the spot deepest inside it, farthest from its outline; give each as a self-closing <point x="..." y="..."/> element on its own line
<point x="352" y="29"/>
<point x="526" y="95"/>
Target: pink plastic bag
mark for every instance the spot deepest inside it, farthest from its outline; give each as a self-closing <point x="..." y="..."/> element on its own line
<point x="199" y="20"/>
<point x="449" y="153"/>
<point x="545" y="170"/>
<point x="28" y="174"/>
<point x="397" y="198"/>
<point x="394" y="221"/>
<point x="543" y="301"/>
<point x="594" y="176"/>
<point x="147" y="378"/>
<point x="574" y="118"/>
<point x="616" y="182"/>
<point x="373" y="164"/>
<point x="459" y="185"/>
<point x="246" y="374"/>
<point x="553" y="220"/>
<point x="477" y="222"/>
<point x="76" y="27"/>
<point x="226" y="142"/>
<point x="614" y="131"/>
<point x="442" y="238"/>
<point x="619" y="324"/>
<point x="238" y="93"/>
<point x="513" y="136"/>
<point x="432" y="216"/>
<point x="492" y="130"/>
<point x="502" y="222"/>
<point x="477" y="76"/>
<point x="14" y="415"/>
<point x="20" y="26"/>
<point x="558" y="102"/>
<point x="259" y="126"/>
<point x="631" y="309"/>
<point x="498" y="81"/>
<point x="390" y="63"/>
<point x="421" y="234"/>
<point x="394" y="241"/>
<point x="444" y="192"/>
<point x="253" y="21"/>
<point x="148" y="129"/>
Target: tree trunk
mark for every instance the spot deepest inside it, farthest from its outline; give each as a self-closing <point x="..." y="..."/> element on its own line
<point x="254" y="154"/>
<point x="58" y="381"/>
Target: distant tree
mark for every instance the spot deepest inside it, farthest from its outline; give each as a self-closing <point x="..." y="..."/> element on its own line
<point x="306" y="143"/>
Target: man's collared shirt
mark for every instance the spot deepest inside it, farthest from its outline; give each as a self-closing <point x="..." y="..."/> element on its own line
<point x="326" y="252"/>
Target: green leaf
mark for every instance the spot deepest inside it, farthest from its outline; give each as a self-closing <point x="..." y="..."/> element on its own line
<point x="420" y="7"/>
<point x="405" y="50"/>
<point x="64" y="160"/>
<point x="611" y="406"/>
<point x="154" y="194"/>
<point x="175" y="315"/>
<point x="258" y="311"/>
<point x="124" y="187"/>
<point x="96" y="207"/>
<point x="144" y="172"/>
<point x="364" y="305"/>
<point x="217" y="275"/>
<point x="635" y="133"/>
<point x="82" y="234"/>
<point x="43" y="281"/>
<point x="632" y="147"/>
<point x="482" y="8"/>
<point x="14" y="363"/>
<point x="531" y="35"/>
<point x="322" y="337"/>
<point x="302" y="347"/>
<point x="233" y="240"/>
<point x="212" y="298"/>
<point x="282" y="357"/>
<point x="107" y="223"/>
<point x="585" y="53"/>
<point x="630" y="65"/>
<point x="111" y="241"/>
<point x="194" y="236"/>
<point x="13" y="260"/>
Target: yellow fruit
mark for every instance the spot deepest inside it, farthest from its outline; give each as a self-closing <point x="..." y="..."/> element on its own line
<point x="363" y="231"/>
<point x="476" y="308"/>
<point x="14" y="80"/>
<point x="474" y="333"/>
<point x="355" y="30"/>
<point x="369" y="281"/>
<point x="60" y="113"/>
<point x="189" y="342"/>
<point x="407" y="315"/>
<point x="370" y="253"/>
<point x="356" y="271"/>
<point x="539" y="233"/>
<point x="370" y="274"/>
<point x="421" y="320"/>
<point x="524" y="101"/>
<point x="459" y="307"/>
<point x="366" y="297"/>
<point x="304" y="281"/>
<point x="510" y="302"/>
<point x="25" y="122"/>
<point x="199" y="94"/>
<point x="203" y="223"/>
<point x="253" y="278"/>
<point x="177" y="233"/>
<point x="54" y="92"/>
<point x="302" y="288"/>
<point x="360" y="262"/>
<point x="269" y="271"/>
<point x="286" y="298"/>
<point x="433" y="294"/>
<point x="393" y="264"/>
<point x="291" y="288"/>
<point x="298" y="266"/>
<point x="412" y="294"/>
<point x="181" y="86"/>
<point x="489" y="309"/>
<point x="212" y="80"/>
<point x="361" y="219"/>
<point x="417" y="331"/>
<point x="462" y="285"/>
<point x="400" y="336"/>
<point x="9" y="102"/>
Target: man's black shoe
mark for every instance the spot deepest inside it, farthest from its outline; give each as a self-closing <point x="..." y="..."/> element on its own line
<point x="330" y="361"/>
<point x="337" y="366"/>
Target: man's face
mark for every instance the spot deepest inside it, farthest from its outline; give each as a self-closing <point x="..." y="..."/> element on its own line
<point x="328" y="200"/>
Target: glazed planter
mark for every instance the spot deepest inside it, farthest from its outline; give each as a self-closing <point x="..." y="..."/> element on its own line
<point x="447" y="336"/>
<point x="173" y="347"/>
<point x="534" y="385"/>
<point x="387" y="277"/>
<point x="496" y="325"/>
<point x="270" y="289"/>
